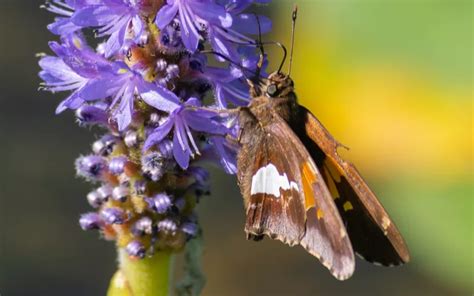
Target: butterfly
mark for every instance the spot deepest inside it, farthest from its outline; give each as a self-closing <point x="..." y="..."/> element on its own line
<point x="298" y="190"/>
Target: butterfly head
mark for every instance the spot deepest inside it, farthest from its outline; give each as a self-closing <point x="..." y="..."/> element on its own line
<point x="278" y="85"/>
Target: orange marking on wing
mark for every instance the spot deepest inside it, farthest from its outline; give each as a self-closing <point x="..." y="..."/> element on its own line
<point x="336" y="173"/>
<point x="308" y="179"/>
<point x="319" y="214"/>
<point x="331" y="185"/>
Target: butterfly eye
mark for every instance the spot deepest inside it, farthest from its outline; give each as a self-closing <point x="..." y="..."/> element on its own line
<point x="272" y="90"/>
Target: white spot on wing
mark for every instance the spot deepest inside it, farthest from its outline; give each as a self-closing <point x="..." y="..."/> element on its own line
<point x="267" y="180"/>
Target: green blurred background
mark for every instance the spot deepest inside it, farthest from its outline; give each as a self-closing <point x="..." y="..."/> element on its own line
<point x="391" y="79"/>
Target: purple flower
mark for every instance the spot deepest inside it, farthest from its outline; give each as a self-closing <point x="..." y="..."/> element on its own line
<point x="118" y="19"/>
<point x="98" y="80"/>
<point x="225" y="153"/>
<point x="75" y="69"/>
<point x="228" y="40"/>
<point x="184" y="118"/>
<point x="229" y="88"/>
<point x="194" y="17"/>
<point x="65" y="9"/>
<point x="122" y="85"/>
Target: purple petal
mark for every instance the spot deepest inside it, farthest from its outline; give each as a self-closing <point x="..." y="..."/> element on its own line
<point x="91" y="16"/>
<point x="161" y="98"/>
<point x="71" y="102"/>
<point x="88" y="114"/>
<point x="193" y="102"/>
<point x="125" y="111"/>
<point x="63" y="26"/>
<point x="227" y="159"/>
<point x="248" y="24"/>
<point x="212" y="13"/>
<point x="57" y="68"/>
<point x="203" y="124"/>
<point x="181" y="152"/>
<point x="100" y="88"/>
<point x="113" y="44"/>
<point x="137" y="26"/>
<point x="158" y="134"/>
<point x="189" y="34"/>
<point x="166" y="15"/>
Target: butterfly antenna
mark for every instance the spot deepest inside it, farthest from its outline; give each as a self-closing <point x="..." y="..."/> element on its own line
<point x="293" y="19"/>
<point x="259" y="44"/>
<point x="284" y="54"/>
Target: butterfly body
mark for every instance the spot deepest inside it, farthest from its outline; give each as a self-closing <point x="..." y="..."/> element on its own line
<point x="298" y="190"/>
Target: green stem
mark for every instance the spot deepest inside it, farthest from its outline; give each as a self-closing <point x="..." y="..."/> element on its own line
<point x="147" y="277"/>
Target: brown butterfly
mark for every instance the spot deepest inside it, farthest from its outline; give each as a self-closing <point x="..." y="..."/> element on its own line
<point x="298" y="190"/>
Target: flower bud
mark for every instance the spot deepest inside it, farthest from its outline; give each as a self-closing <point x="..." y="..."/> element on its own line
<point x="172" y="71"/>
<point x="136" y="249"/>
<point x="167" y="226"/>
<point x="140" y="187"/>
<point x="144" y="38"/>
<point x="94" y="199"/>
<point x="166" y="148"/>
<point x="113" y="215"/>
<point x="161" y="65"/>
<point x="160" y="203"/>
<point x="131" y="139"/>
<point x="190" y="229"/>
<point x="87" y="114"/>
<point x="152" y="165"/>
<point x="120" y="193"/>
<point x="104" y="146"/>
<point x="90" y="167"/>
<point x="143" y="226"/>
<point x="91" y="221"/>
<point x="180" y="204"/>
<point x="117" y="165"/>
<point x="105" y="191"/>
<point x="154" y="119"/>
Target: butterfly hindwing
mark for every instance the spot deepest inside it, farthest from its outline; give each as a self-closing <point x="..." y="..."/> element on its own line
<point x="285" y="195"/>
<point x="373" y="234"/>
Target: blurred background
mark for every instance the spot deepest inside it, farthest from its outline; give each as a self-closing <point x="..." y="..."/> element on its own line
<point x="391" y="79"/>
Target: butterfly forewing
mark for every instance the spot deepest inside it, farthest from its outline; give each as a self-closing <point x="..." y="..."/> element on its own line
<point x="286" y="197"/>
<point x="373" y="234"/>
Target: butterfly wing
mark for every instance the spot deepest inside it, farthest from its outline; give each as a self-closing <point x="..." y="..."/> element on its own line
<point x="373" y="234"/>
<point x="285" y="195"/>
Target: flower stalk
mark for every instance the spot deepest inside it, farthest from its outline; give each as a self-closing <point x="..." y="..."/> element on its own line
<point x="149" y="276"/>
